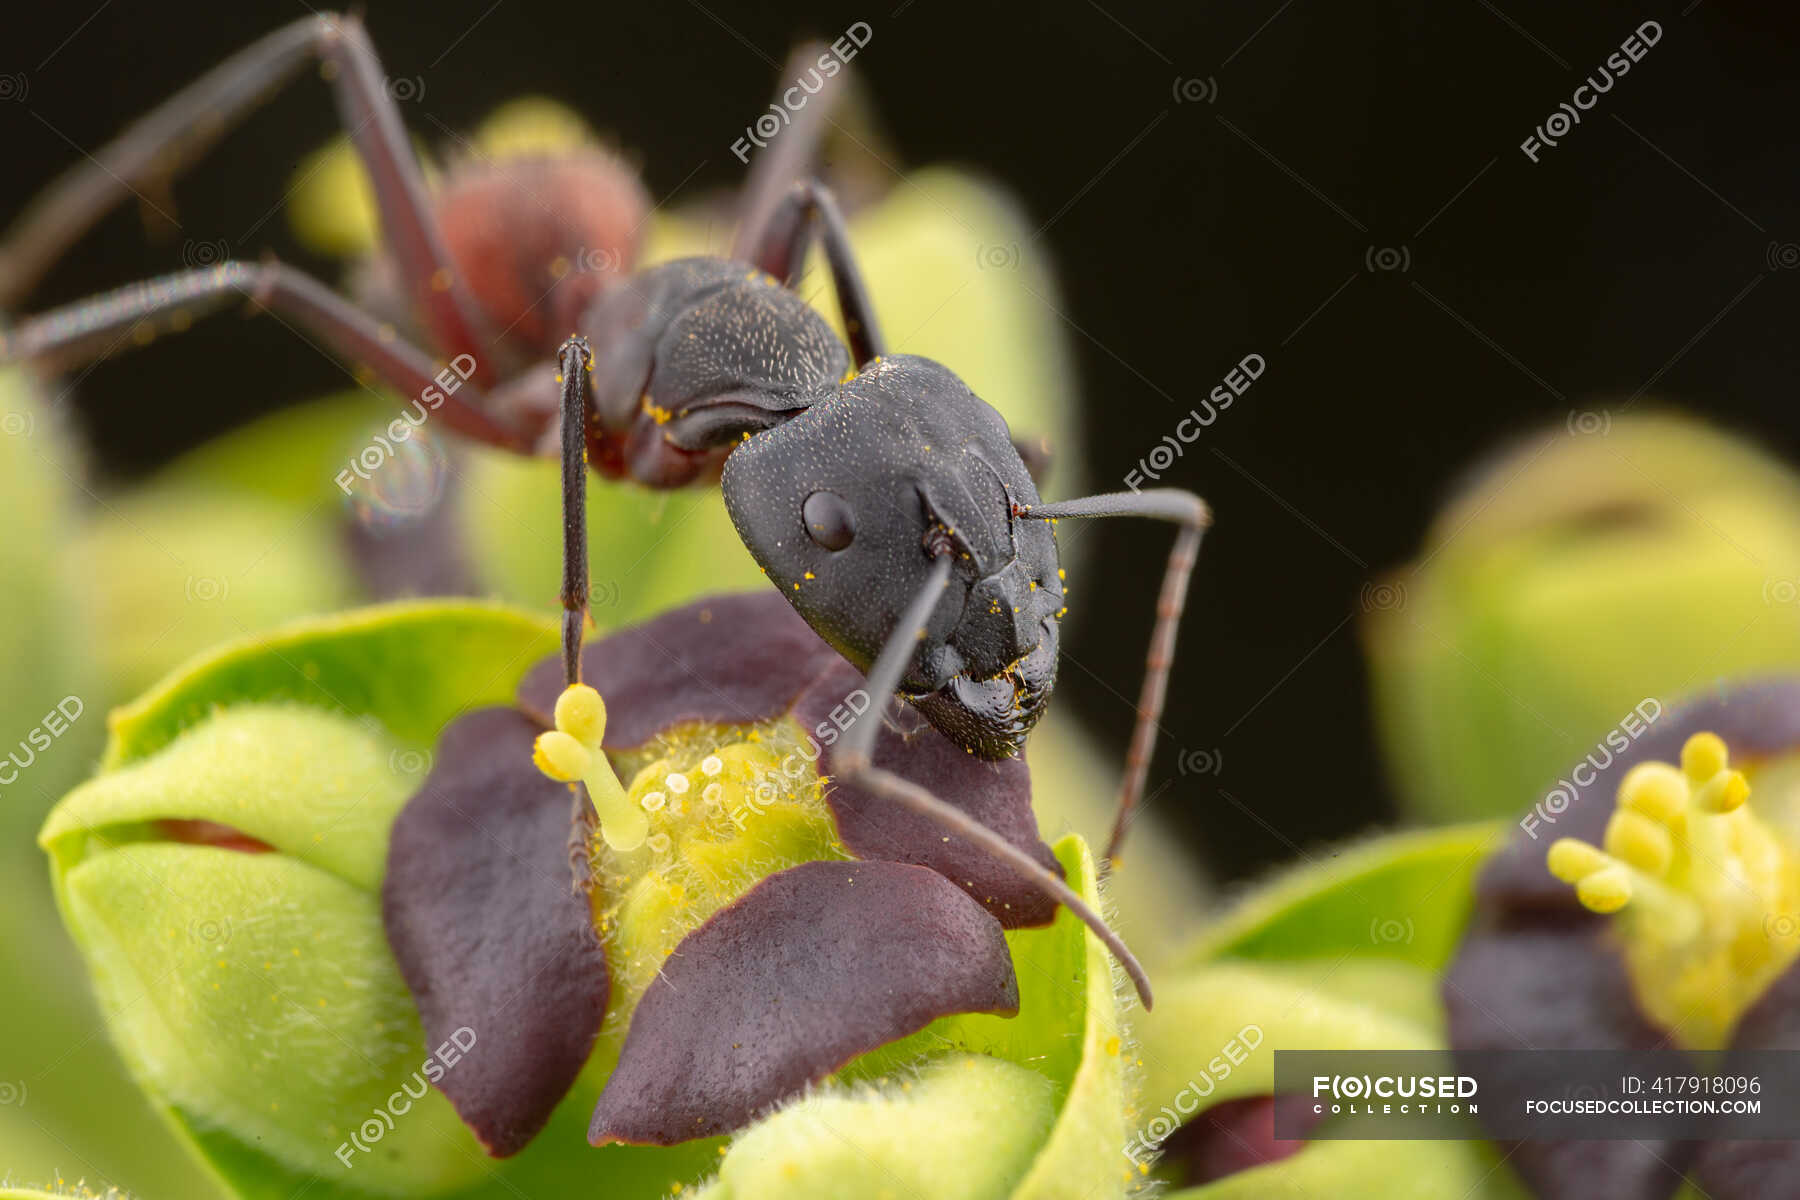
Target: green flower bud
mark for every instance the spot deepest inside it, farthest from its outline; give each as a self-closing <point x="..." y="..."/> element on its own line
<point x="222" y="875"/>
<point x="1580" y="575"/>
<point x="965" y="1127"/>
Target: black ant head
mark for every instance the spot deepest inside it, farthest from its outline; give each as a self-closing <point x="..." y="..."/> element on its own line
<point x="846" y="505"/>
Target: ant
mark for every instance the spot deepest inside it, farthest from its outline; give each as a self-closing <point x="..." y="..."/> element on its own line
<point x="886" y="500"/>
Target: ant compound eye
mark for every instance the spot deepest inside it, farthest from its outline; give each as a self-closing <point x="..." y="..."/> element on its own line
<point x="829" y="521"/>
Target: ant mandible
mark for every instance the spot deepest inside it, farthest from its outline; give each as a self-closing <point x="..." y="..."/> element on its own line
<point x="884" y="498"/>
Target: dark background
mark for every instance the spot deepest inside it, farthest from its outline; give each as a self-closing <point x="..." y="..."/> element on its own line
<point x="1643" y="257"/>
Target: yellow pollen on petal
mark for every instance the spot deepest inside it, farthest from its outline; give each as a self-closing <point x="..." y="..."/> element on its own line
<point x="1695" y="877"/>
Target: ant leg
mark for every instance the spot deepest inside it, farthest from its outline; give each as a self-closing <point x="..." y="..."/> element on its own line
<point x="810" y="206"/>
<point x="793" y="153"/>
<point x="1191" y="513"/>
<point x="183" y="127"/>
<point x="80" y="332"/>
<point x="574" y="361"/>
<point x="852" y="760"/>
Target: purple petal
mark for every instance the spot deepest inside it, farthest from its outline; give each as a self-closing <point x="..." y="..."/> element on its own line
<point x="808" y="969"/>
<point x="489" y="933"/>
<point x="998" y="794"/>
<point x="1558" y="984"/>
<point x="726" y="660"/>
<point x="1745" y="1170"/>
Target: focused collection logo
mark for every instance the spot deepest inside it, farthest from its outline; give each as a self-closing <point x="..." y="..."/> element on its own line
<point x="1405" y="1095"/>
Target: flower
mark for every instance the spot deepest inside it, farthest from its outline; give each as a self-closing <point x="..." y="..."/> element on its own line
<point x="1666" y="911"/>
<point x="307" y="866"/>
<point x="750" y="929"/>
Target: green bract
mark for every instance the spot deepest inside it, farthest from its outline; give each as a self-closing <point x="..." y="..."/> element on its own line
<point x="222" y="878"/>
<point x="1345" y="953"/>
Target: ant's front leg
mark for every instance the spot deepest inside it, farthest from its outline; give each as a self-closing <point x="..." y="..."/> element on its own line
<point x="853" y="761"/>
<point x="98" y="327"/>
<point x="574" y="362"/>
<point x="808" y="209"/>
<point x="182" y="128"/>
<point x="1191" y="513"/>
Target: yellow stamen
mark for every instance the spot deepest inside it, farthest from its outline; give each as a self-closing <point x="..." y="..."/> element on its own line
<point x="581" y="713"/>
<point x="1570" y="859"/>
<point x="1692" y="873"/>
<point x="1606" y="890"/>
<point x="1640" y="841"/>
<point x="561" y="757"/>
<point x="1725" y="792"/>
<point x="1655" y="789"/>
<point x="571" y="752"/>
<point x="1703" y="756"/>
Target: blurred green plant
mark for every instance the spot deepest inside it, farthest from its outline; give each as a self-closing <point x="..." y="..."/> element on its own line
<point x="1344" y="952"/>
<point x="47" y="627"/>
<point x="1587" y="569"/>
<point x="59" y="1078"/>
